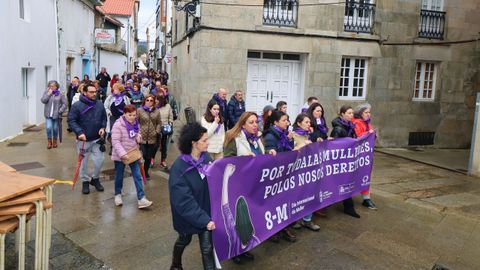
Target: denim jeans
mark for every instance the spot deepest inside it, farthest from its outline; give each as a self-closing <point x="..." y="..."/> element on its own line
<point x="308" y="218"/>
<point x="91" y="148"/>
<point x="137" y="177"/>
<point x="51" y="126"/>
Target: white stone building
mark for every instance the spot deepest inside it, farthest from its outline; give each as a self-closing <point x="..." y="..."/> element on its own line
<point x="28" y="50"/>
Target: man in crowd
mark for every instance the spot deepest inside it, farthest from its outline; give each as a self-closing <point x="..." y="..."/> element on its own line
<point x="72" y="90"/>
<point x="88" y="119"/>
<point x="235" y="108"/>
<point x="221" y="98"/>
<point x="309" y="102"/>
<point x="103" y="78"/>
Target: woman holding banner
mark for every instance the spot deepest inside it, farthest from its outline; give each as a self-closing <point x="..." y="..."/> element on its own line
<point x="213" y="121"/>
<point x="278" y="139"/>
<point x="189" y="196"/>
<point x="362" y="126"/>
<point x="242" y="140"/>
<point x="344" y="127"/>
<point x="318" y="123"/>
<point x="301" y="138"/>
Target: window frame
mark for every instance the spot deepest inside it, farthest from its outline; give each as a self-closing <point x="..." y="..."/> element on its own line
<point x="351" y="78"/>
<point x="421" y="89"/>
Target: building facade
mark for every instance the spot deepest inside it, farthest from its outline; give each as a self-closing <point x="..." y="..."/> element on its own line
<point x="29" y="61"/>
<point x="415" y="61"/>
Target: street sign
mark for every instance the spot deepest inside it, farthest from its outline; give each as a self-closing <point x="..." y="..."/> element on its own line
<point x="104" y="36"/>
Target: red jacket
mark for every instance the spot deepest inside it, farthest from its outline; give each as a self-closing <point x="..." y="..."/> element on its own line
<point x="361" y="127"/>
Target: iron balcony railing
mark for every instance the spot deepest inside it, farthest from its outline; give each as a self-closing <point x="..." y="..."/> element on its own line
<point x="280" y="12"/>
<point x="359" y="17"/>
<point x="432" y="24"/>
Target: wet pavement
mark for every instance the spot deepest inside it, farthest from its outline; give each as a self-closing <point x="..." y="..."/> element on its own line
<point x="427" y="217"/>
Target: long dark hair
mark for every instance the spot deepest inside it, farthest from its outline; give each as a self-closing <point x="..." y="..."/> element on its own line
<point x="300" y="119"/>
<point x="276" y="115"/>
<point x="208" y="114"/>
<point x="313" y="121"/>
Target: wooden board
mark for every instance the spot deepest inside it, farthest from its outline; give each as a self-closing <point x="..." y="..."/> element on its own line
<point x="8" y="225"/>
<point x="16" y="184"/>
<point x="2" y="218"/>
<point x="17" y="209"/>
<point x="32" y="196"/>
<point x="5" y="168"/>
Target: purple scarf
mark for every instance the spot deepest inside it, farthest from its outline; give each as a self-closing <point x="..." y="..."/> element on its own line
<point x="367" y="123"/>
<point x="132" y="129"/>
<point x="322" y="125"/>
<point x="56" y="92"/>
<point x="147" y="109"/>
<point x="220" y="101"/>
<point x="218" y="128"/>
<point x="118" y="98"/>
<point x="284" y="141"/>
<point x="195" y="164"/>
<point x="350" y="127"/>
<point x="301" y="131"/>
<point x="90" y="104"/>
<point x="252" y="138"/>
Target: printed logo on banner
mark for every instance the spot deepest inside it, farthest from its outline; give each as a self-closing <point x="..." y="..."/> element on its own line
<point x="323" y="195"/>
<point x="346" y="188"/>
<point x="365" y="181"/>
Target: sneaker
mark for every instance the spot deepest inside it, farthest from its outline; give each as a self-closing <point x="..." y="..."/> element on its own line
<point x="297" y="225"/>
<point x="144" y="203"/>
<point x="118" y="200"/>
<point x="310" y="225"/>
<point x="369" y="204"/>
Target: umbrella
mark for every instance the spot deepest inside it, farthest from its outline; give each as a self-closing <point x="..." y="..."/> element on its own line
<point x="60" y="135"/>
<point x="142" y="171"/>
<point x="81" y="155"/>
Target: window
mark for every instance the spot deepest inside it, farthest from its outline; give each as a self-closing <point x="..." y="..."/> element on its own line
<point x="359" y="16"/>
<point x="425" y="75"/>
<point x="434" y="5"/>
<point x="432" y="19"/>
<point x="353" y="78"/>
<point x="280" y="12"/>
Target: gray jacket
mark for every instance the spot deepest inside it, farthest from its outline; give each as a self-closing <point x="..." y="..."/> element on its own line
<point x="57" y="103"/>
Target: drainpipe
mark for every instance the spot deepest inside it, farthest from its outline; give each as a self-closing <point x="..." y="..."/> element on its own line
<point x="128" y="46"/>
<point x="57" y="39"/>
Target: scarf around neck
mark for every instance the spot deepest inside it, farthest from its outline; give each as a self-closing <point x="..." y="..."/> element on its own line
<point x="90" y="104"/>
<point x="367" y="123"/>
<point x="132" y="129"/>
<point x="56" y="92"/>
<point x="301" y="131"/>
<point x="284" y="141"/>
<point x="118" y="98"/>
<point x="350" y="126"/>
<point x="322" y="125"/>
<point x="147" y="109"/>
<point x="195" y="164"/>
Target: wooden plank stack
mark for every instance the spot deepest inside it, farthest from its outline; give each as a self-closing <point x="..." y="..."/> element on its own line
<point x="23" y="197"/>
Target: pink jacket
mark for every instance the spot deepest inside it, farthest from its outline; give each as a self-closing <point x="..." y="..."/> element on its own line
<point x="120" y="141"/>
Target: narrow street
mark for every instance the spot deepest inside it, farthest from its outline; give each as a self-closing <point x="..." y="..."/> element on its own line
<point x="427" y="216"/>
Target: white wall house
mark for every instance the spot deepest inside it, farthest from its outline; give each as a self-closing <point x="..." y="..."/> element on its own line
<point x="76" y="36"/>
<point x="28" y="50"/>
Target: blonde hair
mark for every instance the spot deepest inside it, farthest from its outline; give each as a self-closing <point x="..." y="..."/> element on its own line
<point x="119" y="86"/>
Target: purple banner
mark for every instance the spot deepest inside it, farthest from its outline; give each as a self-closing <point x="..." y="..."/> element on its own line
<point x="252" y="198"/>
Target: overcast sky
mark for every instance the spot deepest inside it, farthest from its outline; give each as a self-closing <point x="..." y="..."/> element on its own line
<point x="146" y="18"/>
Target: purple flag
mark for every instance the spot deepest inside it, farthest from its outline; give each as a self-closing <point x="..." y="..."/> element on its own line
<point x="252" y="198"/>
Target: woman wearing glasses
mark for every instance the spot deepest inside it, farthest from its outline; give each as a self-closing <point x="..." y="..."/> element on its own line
<point x="150" y="123"/>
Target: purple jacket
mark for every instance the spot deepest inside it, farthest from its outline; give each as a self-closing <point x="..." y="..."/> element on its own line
<point x="120" y="141"/>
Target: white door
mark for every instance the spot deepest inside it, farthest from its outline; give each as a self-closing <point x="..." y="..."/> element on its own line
<point x="271" y="81"/>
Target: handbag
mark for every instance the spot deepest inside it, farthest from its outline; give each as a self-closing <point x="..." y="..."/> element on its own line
<point x="167" y="130"/>
<point x="132" y="156"/>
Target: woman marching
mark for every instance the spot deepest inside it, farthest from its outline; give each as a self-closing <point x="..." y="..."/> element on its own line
<point x="342" y="128"/>
<point x="278" y="139"/>
<point x="55" y="104"/>
<point x="125" y="138"/>
<point x="150" y="123"/>
<point x="301" y="138"/>
<point x="318" y="123"/>
<point x="114" y="105"/>
<point x="363" y="126"/>
<point x="213" y="122"/>
<point x="166" y="117"/>
<point x="189" y="196"/>
<point x="243" y="140"/>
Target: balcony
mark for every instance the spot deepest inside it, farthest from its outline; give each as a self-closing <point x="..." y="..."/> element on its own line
<point x="359" y="17"/>
<point x="280" y="12"/>
<point x="432" y="24"/>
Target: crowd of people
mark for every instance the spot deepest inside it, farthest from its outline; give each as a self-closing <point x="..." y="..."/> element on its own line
<point x="136" y="119"/>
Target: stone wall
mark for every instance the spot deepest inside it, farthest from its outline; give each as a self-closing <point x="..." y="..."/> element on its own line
<point x="216" y="56"/>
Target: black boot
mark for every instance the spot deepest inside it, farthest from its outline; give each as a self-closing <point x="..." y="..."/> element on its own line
<point x="349" y="209"/>
<point x="96" y="183"/>
<point x="85" y="188"/>
<point x="206" y="248"/>
<point x="182" y="241"/>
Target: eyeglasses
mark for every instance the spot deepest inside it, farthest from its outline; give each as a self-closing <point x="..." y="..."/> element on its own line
<point x="149" y="100"/>
<point x="92" y="92"/>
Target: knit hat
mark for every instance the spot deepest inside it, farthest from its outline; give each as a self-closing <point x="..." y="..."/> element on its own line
<point x="268" y="108"/>
<point x="360" y="109"/>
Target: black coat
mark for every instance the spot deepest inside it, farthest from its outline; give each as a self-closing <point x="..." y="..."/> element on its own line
<point x="90" y="122"/>
<point x="340" y="130"/>
<point x="235" y="109"/>
<point x="189" y="198"/>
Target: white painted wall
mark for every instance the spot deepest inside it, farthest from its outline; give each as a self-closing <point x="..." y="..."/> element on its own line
<point x="128" y="36"/>
<point x="76" y="24"/>
<point x="29" y="43"/>
<point x="113" y="62"/>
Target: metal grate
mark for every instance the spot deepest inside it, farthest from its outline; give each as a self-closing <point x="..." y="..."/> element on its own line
<point x="27" y="166"/>
<point x="432" y="24"/>
<point x="359" y="17"/>
<point x="17" y="144"/>
<point x="280" y="12"/>
<point x="421" y="138"/>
